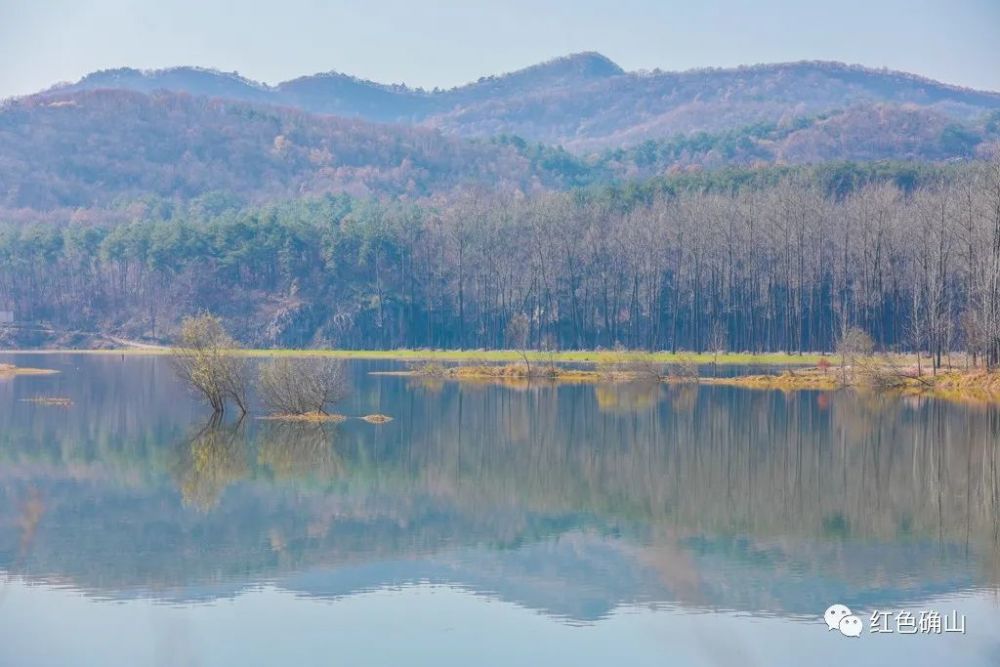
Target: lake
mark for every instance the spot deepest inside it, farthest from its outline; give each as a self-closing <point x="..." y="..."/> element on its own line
<point x="491" y="525"/>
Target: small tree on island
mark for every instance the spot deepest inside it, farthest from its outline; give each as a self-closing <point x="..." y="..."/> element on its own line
<point x="204" y="359"/>
<point x="853" y="343"/>
<point x="517" y="333"/>
<point x="302" y="386"/>
<point x="717" y="341"/>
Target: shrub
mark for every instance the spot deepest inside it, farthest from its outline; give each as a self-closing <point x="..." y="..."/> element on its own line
<point x="302" y="386"/>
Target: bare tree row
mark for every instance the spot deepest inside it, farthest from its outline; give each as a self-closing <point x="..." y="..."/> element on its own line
<point x="781" y="267"/>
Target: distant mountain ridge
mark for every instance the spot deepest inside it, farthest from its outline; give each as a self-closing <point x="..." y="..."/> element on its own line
<point x="100" y="148"/>
<point x="181" y="133"/>
<point x="583" y="101"/>
<point x="342" y="94"/>
<point x="90" y="148"/>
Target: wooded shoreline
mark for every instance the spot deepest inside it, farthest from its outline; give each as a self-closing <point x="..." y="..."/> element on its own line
<point x="759" y="260"/>
<point x="894" y="374"/>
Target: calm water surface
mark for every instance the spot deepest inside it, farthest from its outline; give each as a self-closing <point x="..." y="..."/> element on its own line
<point x="489" y="525"/>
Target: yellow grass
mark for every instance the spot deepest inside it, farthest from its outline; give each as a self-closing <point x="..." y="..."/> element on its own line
<point x="496" y="356"/>
<point x="974" y="385"/>
<point x="954" y="385"/>
<point x="979" y="380"/>
<point x="615" y="374"/>
<point x="811" y="379"/>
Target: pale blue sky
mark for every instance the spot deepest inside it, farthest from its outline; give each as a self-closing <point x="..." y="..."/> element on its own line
<point x="445" y="43"/>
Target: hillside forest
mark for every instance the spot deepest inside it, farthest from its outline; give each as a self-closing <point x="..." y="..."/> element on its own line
<point x="105" y="148"/>
<point x="765" y="259"/>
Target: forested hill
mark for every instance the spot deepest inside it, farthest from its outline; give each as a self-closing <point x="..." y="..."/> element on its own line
<point x="786" y="263"/>
<point x="93" y="148"/>
<point x="583" y="101"/>
<point x="677" y="214"/>
<point x="105" y="148"/>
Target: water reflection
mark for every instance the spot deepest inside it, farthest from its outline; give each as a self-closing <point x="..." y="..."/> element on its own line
<point x="571" y="500"/>
<point x="211" y="460"/>
<point x="300" y="451"/>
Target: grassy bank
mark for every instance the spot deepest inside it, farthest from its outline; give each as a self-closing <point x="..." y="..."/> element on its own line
<point x="619" y="373"/>
<point x="566" y="356"/>
<point x="498" y="356"/>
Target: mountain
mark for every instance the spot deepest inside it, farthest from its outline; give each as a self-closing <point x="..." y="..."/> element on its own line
<point x="623" y="110"/>
<point x="101" y="148"/>
<point x="192" y="80"/>
<point x="582" y="101"/>
<point x="344" y="95"/>
<point x="119" y="135"/>
<point x="863" y="133"/>
<point x="93" y="148"/>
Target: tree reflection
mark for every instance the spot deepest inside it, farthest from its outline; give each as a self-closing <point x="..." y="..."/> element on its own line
<point x="299" y="450"/>
<point x="220" y="454"/>
<point x="32" y="511"/>
<point x="630" y="397"/>
<point x="214" y="458"/>
<point x="700" y="495"/>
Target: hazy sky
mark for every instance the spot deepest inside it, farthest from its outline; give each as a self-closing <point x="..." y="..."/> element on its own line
<point x="446" y="43"/>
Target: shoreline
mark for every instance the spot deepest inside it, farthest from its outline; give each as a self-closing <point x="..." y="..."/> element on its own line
<point x="976" y="385"/>
<point x="562" y="357"/>
<point x="886" y="375"/>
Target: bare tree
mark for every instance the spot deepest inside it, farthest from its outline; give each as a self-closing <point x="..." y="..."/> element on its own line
<point x="205" y="359"/>
<point x="757" y="265"/>
<point x="853" y="344"/>
<point x="991" y="289"/>
<point x="717" y="341"/>
<point x="303" y="385"/>
<point x="518" y="329"/>
<point x="916" y="329"/>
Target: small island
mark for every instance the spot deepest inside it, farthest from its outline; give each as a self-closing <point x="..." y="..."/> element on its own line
<point x="10" y="370"/>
